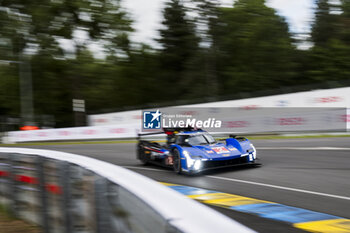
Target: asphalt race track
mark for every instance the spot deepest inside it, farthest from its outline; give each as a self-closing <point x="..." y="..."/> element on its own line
<point x="312" y="174"/>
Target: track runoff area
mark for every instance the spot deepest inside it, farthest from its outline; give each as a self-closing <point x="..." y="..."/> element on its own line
<point x="303" y="185"/>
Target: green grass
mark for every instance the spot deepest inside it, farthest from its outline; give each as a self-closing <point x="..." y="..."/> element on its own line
<point x="10" y="224"/>
<point x="6" y="212"/>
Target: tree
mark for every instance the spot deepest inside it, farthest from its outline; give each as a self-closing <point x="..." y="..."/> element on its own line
<point x="323" y="28"/>
<point x="179" y="44"/>
<point x="345" y="22"/>
<point x="41" y="26"/>
<point x="44" y="22"/>
<point x="254" y="47"/>
<point x="208" y="14"/>
<point x="9" y="91"/>
<point x="329" y="58"/>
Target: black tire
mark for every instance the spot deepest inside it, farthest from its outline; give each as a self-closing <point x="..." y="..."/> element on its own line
<point x="141" y="154"/>
<point x="254" y="164"/>
<point x="177" y="161"/>
<point x="257" y="163"/>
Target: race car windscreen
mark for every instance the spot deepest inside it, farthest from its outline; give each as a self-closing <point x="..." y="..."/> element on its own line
<point x="195" y="140"/>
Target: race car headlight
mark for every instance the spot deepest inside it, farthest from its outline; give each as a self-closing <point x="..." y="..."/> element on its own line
<point x="189" y="160"/>
<point x="254" y="151"/>
<point x="197" y="164"/>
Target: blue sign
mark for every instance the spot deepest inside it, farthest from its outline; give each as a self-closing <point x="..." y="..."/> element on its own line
<point x="152" y="119"/>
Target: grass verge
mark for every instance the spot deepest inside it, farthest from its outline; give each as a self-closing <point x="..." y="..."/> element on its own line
<point x="10" y="224"/>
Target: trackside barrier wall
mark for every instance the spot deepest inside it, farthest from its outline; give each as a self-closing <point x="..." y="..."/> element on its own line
<point x="253" y="121"/>
<point x="328" y="98"/>
<point x="122" y="125"/>
<point x="70" y="193"/>
<point x="75" y="133"/>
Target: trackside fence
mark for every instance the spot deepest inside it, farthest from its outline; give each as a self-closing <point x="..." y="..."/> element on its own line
<point x="70" y="193"/>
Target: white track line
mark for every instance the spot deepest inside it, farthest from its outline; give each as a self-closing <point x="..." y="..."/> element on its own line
<point x="253" y="183"/>
<point x="302" y="148"/>
<point x="147" y="169"/>
<point x="280" y="187"/>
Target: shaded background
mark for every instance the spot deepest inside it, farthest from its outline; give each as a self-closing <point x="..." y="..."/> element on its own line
<point x="206" y="52"/>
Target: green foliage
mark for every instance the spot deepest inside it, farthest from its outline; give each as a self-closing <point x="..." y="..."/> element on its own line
<point x="179" y="44"/>
<point x="57" y="79"/>
<point x="329" y="58"/>
<point x="206" y="51"/>
<point x="42" y="22"/>
<point x="323" y="28"/>
<point x="9" y="92"/>
<point x="254" y="46"/>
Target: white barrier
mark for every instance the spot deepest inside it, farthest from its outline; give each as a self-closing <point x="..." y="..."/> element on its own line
<point x="347" y="119"/>
<point x="76" y="133"/>
<point x="180" y="213"/>
<point x="337" y="98"/>
<point x="115" y="118"/>
<point x="126" y="124"/>
<point x="242" y="121"/>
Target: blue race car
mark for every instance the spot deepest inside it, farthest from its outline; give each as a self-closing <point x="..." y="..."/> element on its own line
<point x="194" y="150"/>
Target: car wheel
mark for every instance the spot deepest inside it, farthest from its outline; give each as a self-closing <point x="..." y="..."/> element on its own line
<point x="177" y="161"/>
<point x="256" y="163"/>
<point x="143" y="158"/>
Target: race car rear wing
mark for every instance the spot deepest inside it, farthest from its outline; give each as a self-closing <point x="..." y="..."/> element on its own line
<point x="178" y="129"/>
<point x="168" y="131"/>
<point x="139" y="135"/>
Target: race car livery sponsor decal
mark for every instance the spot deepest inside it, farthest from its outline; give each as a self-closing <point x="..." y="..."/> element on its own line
<point x="220" y="150"/>
<point x="232" y="148"/>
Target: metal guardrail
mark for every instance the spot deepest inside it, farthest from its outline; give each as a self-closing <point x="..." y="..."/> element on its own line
<point x="70" y="193"/>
